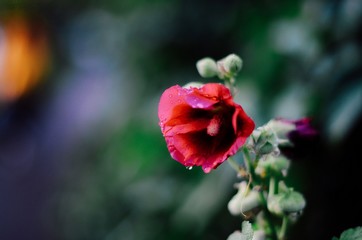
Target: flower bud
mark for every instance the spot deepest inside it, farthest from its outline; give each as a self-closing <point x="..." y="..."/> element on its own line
<point x="281" y="129"/>
<point x="233" y="63"/>
<point x="230" y="65"/>
<point x="207" y="67"/>
<point x="237" y="235"/>
<point x="244" y="201"/>
<point x="296" y="138"/>
<point x="265" y="140"/>
<point x="286" y="203"/>
<point x="272" y="165"/>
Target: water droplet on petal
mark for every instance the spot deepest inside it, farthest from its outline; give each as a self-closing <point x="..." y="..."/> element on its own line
<point x="207" y="169"/>
<point x="189" y="167"/>
<point x="170" y="95"/>
<point x="199" y="105"/>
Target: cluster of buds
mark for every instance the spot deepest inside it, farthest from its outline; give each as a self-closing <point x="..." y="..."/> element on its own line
<point x="226" y="68"/>
<point x="266" y="190"/>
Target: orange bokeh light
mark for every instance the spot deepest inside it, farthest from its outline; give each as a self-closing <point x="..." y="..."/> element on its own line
<point x="24" y="55"/>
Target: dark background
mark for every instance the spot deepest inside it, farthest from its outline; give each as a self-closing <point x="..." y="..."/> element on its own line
<point x="81" y="153"/>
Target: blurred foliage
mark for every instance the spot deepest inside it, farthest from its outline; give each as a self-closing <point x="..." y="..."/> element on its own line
<point x="82" y="156"/>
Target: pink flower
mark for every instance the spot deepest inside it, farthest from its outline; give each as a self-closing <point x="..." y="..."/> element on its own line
<point x="292" y="130"/>
<point x="202" y="126"/>
<point x="303" y="129"/>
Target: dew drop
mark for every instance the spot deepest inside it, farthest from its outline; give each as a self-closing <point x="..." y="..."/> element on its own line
<point x="199" y="105"/>
<point x="207" y="169"/>
<point x="189" y="167"/>
<point x="170" y="95"/>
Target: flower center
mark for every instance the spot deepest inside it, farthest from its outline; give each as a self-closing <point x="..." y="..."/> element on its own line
<point x="214" y="126"/>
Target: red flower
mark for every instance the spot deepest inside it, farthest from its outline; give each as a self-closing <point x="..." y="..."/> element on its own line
<point x="202" y="126"/>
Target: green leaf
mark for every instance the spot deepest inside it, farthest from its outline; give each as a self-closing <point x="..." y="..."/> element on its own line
<point x="351" y="234"/>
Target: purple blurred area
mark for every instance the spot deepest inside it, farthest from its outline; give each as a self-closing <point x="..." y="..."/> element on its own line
<point x="85" y="95"/>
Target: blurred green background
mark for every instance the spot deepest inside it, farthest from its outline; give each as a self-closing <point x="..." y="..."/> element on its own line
<point x="81" y="153"/>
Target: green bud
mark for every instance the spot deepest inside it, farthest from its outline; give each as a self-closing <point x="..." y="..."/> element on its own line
<point x="274" y="206"/>
<point x="265" y="140"/>
<point x="265" y="148"/>
<point x="281" y="129"/>
<point x="232" y="64"/>
<point x="286" y="203"/>
<point x="244" y="201"/>
<point x="272" y="165"/>
<point x="229" y="66"/>
<point x="207" y="67"/>
<point x="251" y="201"/>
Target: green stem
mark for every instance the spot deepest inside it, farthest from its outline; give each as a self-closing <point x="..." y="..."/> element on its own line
<point x="268" y="215"/>
<point x="251" y="170"/>
<point x="230" y="83"/>
<point x="283" y="229"/>
<point x="247" y="161"/>
<point x="273" y="186"/>
<point x="234" y="164"/>
<point x="240" y="170"/>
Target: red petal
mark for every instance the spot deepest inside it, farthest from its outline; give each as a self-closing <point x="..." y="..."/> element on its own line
<point x="170" y="98"/>
<point x="196" y="100"/>
<point x="216" y="90"/>
<point x="192" y="126"/>
<point x="185" y="115"/>
<point x="199" y="149"/>
<point x="207" y="95"/>
<point x="191" y="146"/>
<point x="242" y="123"/>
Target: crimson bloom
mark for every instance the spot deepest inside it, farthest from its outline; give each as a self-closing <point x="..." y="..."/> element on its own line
<point x="202" y="126"/>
